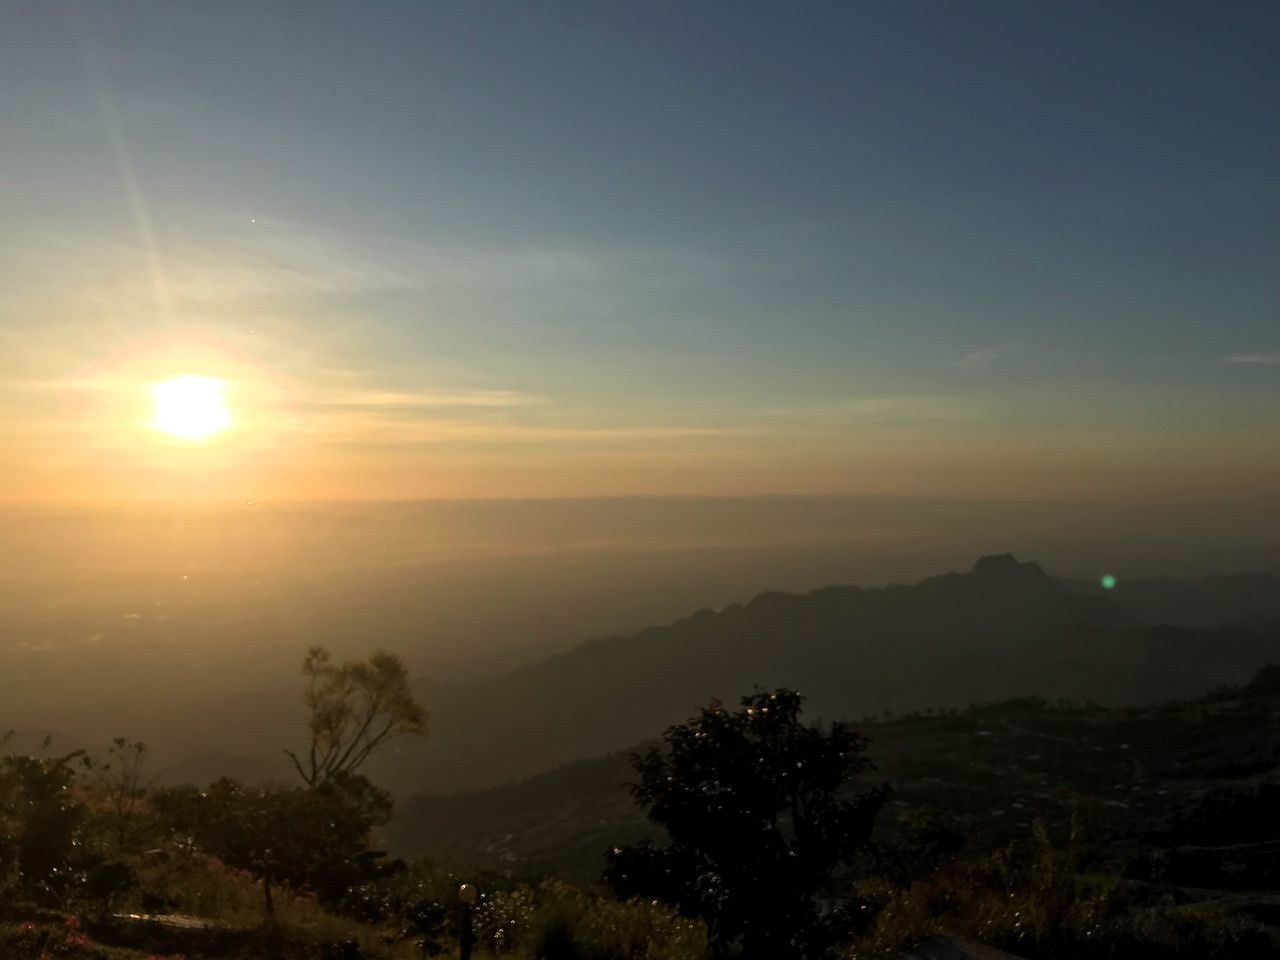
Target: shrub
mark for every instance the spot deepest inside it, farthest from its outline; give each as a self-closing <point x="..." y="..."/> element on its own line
<point x="760" y="817"/>
<point x="571" y="925"/>
<point x="1027" y="895"/>
<point x="311" y="839"/>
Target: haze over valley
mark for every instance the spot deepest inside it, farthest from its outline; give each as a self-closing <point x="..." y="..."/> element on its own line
<point x="191" y="622"/>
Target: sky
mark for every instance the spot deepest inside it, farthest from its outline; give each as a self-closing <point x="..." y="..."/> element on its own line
<point x="486" y="249"/>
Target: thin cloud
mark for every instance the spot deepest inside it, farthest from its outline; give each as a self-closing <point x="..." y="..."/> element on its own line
<point x="272" y="260"/>
<point x="373" y="429"/>
<point x="632" y="433"/>
<point x="411" y="399"/>
<point x="473" y="416"/>
<point x="879" y="411"/>
<point x="1267" y="359"/>
<point x="979" y="359"/>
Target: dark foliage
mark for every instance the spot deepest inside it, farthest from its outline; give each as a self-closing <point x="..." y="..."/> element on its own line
<point x="353" y="709"/>
<point x="39" y="823"/>
<point x="45" y="851"/>
<point x="308" y="838"/>
<point x="759" y="815"/>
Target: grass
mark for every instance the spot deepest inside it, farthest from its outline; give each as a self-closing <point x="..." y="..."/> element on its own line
<point x="547" y="921"/>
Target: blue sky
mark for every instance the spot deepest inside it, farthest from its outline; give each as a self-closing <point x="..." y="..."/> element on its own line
<point x="568" y="248"/>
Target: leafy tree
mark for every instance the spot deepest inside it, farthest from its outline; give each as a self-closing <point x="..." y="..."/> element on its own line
<point x="760" y="815"/>
<point x="50" y="850"/>
<point x="42" y="825"/>
<point x="312" y="838"/>
<point x="352" y="709"/>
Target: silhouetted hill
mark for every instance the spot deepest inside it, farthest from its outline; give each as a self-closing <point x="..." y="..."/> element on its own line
<point x="1004" y="628"/>
<point x="1205" y="602"/>
<point x="1186" y="787"/>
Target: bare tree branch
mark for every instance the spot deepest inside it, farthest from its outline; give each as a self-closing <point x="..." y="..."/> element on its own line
<point x="352" y="709"/>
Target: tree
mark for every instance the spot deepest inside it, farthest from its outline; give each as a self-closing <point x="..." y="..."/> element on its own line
<point x="46" y="847"/>
<point x="50" y="851"/>
<point x="759" y="815"/>
<point x="122" y="784"/>
<point x="313" y="838"/>
<point x="352" y="709"/>
<point x="39" y="824"/>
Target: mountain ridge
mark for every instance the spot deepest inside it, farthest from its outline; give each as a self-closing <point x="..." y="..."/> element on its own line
<point x="1003" y="628"/>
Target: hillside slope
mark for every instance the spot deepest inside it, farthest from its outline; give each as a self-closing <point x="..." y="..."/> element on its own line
<point x="1002" y="629"/>
<point x="1180" y="791"/>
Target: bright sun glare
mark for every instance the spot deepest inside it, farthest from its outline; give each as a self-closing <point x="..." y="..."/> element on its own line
<point x="189" y="407"/>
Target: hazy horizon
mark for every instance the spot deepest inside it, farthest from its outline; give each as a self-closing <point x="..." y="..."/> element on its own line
<point x="114" y="618"/>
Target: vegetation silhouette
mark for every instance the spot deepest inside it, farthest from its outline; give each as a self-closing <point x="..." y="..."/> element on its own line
<point x="759" y="819"/>
<point x="313" y="838"/>
<point x="1052" y="828"/>
<point x="353" y="708"/>
<point x="123" y="782"/>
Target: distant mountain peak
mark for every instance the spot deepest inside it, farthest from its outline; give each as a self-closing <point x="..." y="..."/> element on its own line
<point x="1004" y="565"/>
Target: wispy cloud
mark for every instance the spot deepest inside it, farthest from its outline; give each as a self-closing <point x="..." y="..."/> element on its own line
<point x="982" y="359"/>
<point x="1268" y="359"/>
<point x="425" y="399"/>
<point x="269" y="260"/>
<point x="109" y="269"/>
<point x="878" y="411"/>
<point x="374" y="429"/>
<point x="477" y="416"/>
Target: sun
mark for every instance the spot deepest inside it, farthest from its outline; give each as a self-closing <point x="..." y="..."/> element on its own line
<point x="189" y="407"/>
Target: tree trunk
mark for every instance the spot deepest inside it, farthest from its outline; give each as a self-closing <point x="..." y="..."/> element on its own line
<point x="269" y="906"/>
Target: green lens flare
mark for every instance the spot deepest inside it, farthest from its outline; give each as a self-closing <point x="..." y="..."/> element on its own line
<point x="1108" y="581"/>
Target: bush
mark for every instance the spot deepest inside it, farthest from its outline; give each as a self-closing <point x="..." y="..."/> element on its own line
<point x="45" y="940"/>
<point x="571" y="925"/>
<point x="48" y="853"/>
<point x="1032" y="900"/>
<point x="537" y="920"/>
<point x="1025" y="896"/>
<point x="761" y="817"/>
<point x="311" y="839"/>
